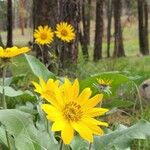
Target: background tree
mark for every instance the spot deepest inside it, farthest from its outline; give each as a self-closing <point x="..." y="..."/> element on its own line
<point x="9" y="23"/>
<point x="99" y="30"/>
<point x="84" y="36"/>
<point x="143" y="26"/>
<point x="109" y="22"/>
<point x="44" y="13"/>
<point x="119" y="48"/>
<point x="69" y="12"/>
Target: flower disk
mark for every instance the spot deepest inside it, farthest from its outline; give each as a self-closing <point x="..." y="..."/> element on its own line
<point x="65" y="32"/>
<point x="72" y="111"/>
<point x="12" y="51"/>
<point x="43" y="35"/>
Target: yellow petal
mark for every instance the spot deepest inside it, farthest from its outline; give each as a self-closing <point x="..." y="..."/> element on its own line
<point x="75" y="89"/>
<point x="58" y="125"/>
<point x="92" y="102"/>
<point x="67" y="133"/>
<point x="84" y="96"/>
<point x="83" y="130"/>
<point x="96" y="112"/>
<point x="53" y="113"/>
<point x="37" y="86"/>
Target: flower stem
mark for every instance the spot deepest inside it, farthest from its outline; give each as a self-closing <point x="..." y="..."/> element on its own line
<point x="90" y="146"/>
<point x="4" y="104"/>
<point x="61" y="144"/>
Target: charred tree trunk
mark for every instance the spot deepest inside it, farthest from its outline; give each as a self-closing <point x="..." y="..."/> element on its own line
<point x="109" y="22"/>
<point x="143" y="26"/>
<point x="44" y="13"/>
<point x="9" y="23"/>
<point x="69" y="12"/>
<point x="119" y="48"/>
<point x="99" y="30"/>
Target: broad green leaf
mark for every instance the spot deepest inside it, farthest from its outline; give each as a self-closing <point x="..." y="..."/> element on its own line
<point x="122" y="139"/>
<point x="117" y="80"/>
<point x="20" y="126"/>
<point x="79" y="144"/>
<point x="38" y="68"/>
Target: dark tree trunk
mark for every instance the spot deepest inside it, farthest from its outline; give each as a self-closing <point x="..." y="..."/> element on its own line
<point x="44" y="13"/>
<point x="69" y="12"/>
<point x="119" y="48"/>
<point x="9" y="23"/>
<point x="109" y="22"/>
<point x="85" y="34"/>
<point x="99" y="30"/>
<point x="1" y="43"/>
<point x="143" y="26"/>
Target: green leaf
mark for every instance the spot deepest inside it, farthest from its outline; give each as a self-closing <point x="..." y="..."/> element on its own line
<point x="117" y="80"/>
<point x="38" y="68"/>
<point x="20" y="126"/>
<point x="122" y="139"/>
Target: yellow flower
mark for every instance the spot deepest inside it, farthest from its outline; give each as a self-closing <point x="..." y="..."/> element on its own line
<point x="12" y="51"/>
<point x="71" y="111"/>
<point x="46" y="89"/>
<point x="65" y="32"/>
<point x="43" y="35"/>
<point x="104" y="82"/>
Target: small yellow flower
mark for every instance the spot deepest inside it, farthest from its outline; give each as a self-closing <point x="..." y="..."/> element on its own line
<point x="12" y="51"/>
<point x="104" y="82"/>
<point x="65" y="32"/>
<point x="46" y="89"/>
<point x="73" y="111"/>
<point x="43" y="35"/>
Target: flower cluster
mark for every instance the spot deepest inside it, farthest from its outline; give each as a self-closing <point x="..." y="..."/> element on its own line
<point x="71" y="110"/>
<point x="44" y="34"/>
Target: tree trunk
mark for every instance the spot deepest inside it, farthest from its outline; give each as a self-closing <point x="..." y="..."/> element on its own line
<point x="109" y="22"/>
<point x="69" y="12"/>
<point x="85" y="34"/>
<point x="1" y="43"/>
<point x="44" y="13"/>
<point x="119" y="48"/>
<point x="9" y="23"/>
<point x="22" y="16"/>
<point x="99" y="30"/>
<point x="143" y="27"/>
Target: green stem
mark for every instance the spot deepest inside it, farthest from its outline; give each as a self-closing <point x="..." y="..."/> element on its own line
<point x="4" y="104"/>
<point x="90" y="146"/>
<point x="61" y="145"/>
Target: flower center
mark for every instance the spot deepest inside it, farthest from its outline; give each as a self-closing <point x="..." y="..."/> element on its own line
<point x="72" y="111"/>
<point x="64" y="32"/>
<point x="43" y="36"/>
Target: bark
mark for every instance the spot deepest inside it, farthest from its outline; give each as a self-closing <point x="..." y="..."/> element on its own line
<point x="68" y="11"/>
<point x="9" y="23"/>
<point x="143" y="26"/>
<point x="119" y="48"/>
<point x="99" y="30"/>
<point x="109" y="22"/>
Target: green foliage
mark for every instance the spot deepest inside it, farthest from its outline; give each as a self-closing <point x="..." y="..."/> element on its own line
<point x="122" y="138"/>
<point x="38" y="68"/>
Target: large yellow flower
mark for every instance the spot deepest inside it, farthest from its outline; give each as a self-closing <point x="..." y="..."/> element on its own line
<point x="71" y="111"/>
<point x="12" y="51"/>
<point x="43" y="35"/>
<point x="65" y="32"/>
